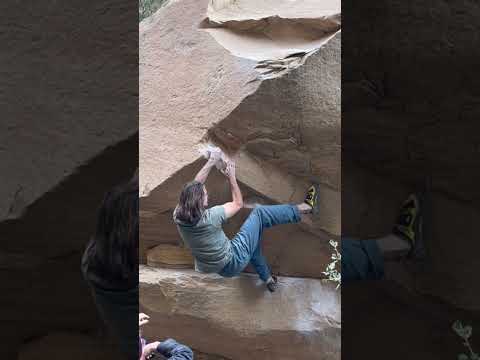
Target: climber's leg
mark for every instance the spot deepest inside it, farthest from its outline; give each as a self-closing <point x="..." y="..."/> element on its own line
<point x="364" y="259"/>
<point x="246" y="244"/>
<point x="361" y="260"/>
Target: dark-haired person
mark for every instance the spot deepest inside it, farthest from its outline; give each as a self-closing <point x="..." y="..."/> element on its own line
<point x="110" y="264"/>
<point x="201" y="227"/>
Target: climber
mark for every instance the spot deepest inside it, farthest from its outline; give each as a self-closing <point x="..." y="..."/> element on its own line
<point x="201" y="227"/>
<point x="169" y="348"/>
<point x="364" y="259"/>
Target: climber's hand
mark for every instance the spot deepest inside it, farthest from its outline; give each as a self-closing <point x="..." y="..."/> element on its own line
<point x="149" y="349"/>
<point x="143" y="319"/>
<point x="215" y="156"/>
<point x="229" y="170"/>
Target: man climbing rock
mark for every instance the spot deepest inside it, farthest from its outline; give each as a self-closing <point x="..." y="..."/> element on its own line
<point x="201" y="227"/>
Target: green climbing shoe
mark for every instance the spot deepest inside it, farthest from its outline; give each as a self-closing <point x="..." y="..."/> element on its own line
<point x="409" y="220"/>
<point x="312" y="198"/>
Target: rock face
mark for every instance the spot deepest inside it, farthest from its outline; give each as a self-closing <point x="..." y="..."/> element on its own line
<point x="269" y="30"/>
<point x="292" y="119"/>
<point x="277" y="112"/>
<point x="401" y="124"/>
<point x="398" y="119"/>
<point x="395" y="313"/>
<point x="50" y="120"/>
<point x="41" y="252"/>
<point x="170" y="256"/>
<point x="251" y="323"/>
<point x="64" y="141"/>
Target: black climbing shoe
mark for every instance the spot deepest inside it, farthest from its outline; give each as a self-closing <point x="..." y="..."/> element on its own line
<point x="409" y="223"/>
<point x="272" y="284"/>
<point x="312" y="198"/>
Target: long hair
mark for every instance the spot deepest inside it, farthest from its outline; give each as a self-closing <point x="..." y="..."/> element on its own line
<point x="114" y="248"/>
<point x="190" y="207"/>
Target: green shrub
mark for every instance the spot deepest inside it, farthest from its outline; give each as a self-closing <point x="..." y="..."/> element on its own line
<point x="148" y="7"/>
<point x="331" y="271"/>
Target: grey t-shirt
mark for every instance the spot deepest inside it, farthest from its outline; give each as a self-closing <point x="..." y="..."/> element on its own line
<point x="210" y="246"/>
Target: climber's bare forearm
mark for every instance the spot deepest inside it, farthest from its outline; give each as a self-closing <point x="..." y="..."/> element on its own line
<point x="237" y="197"/>
<point x="205" y="171"/>
<point x="233" y="207"/>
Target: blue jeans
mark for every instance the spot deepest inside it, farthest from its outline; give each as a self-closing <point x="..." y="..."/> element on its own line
<point x="247" y="246"/>
<point x="361" y="260"/>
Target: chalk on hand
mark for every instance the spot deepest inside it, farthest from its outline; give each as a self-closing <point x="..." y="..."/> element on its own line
<point x="206" y="150"/>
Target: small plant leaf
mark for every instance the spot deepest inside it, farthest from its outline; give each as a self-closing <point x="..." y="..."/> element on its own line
<point x="462" y="357"/>
<point x="467" y="331"/>
<point x="458" y="327"/>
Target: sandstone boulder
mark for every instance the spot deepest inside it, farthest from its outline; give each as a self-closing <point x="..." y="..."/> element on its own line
<point x="400" y="117"/>
<point x="269" y="30"/>
<point x="60" y="99"/>
<point x="170" y="256"/>
<point x="238" y="319"/>
<point x="298" y="111"/>
<point x="410" y="118"/>
<point x="227" y="75"/>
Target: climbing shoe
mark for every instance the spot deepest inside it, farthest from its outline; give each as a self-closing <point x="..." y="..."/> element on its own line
<point x="408" y="224"/>
<point x="312" y="198"/>
<point x="272" y="284"/>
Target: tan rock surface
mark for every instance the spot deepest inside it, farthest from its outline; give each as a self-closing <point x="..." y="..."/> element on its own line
<point x="188" y="82"/>
<point x="270" y="30"/>
<point x="250" y="322"/>
<point x="221" y="11"/>
<point x="60" y="98"/>
<point x="299" y="110"/>
<point x="170" y="256"/>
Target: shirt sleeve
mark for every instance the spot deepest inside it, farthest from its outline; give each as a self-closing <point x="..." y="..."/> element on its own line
<point x="174" y="351"/>
<point x="217" y="215"/>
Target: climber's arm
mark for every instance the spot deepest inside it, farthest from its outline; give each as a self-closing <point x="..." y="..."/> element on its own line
<point x="231" y="208"/>
<point x="205" y="170"/>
